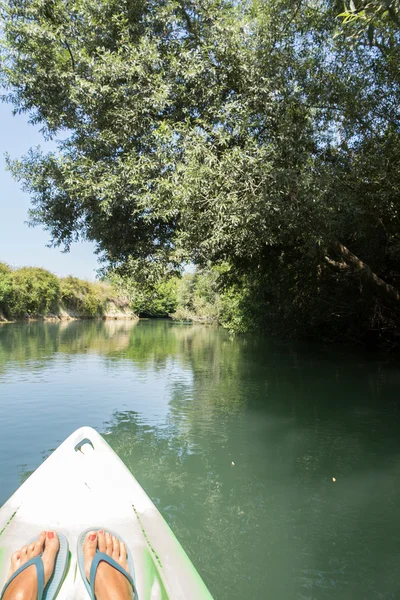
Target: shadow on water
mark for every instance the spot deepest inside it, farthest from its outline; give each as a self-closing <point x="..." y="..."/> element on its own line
<point x="242" y="466"/>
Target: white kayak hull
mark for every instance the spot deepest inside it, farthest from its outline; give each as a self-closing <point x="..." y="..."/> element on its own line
<point x="85" y="484"/>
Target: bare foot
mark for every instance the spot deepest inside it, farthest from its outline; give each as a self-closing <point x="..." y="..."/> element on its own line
<point x="24" y="586"/>
<point x="109" y="583"/>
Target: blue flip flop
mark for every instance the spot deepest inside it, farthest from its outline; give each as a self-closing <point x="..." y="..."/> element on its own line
<point x="53" y="586"/>
<point x="101" y="556"/>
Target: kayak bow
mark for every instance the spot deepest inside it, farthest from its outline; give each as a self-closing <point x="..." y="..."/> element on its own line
<point x="85" y="484"/>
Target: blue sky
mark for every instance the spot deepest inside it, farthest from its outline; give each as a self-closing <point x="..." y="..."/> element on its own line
<point x="19" y="244"/>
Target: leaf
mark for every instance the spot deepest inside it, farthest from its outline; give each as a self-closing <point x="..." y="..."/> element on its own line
<point x="393" y="15"/>
<point x="353" y="6"/>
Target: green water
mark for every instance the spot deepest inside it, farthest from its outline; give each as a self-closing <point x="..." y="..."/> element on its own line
<point x="180" y="404"/>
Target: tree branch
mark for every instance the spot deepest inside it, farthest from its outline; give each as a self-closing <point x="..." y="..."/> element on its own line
<point x="71" y="55"/>
<point x="364" y="270"/>
<point x="294" y="15"/>
<point x="339" y="266"/>
<point x="189" y="22"/>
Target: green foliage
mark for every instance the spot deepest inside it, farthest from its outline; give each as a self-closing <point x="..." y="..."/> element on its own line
<point x="81" y="296"/>
<point x="28" y="291"/>
<point x="246" y="134"/>
<point x="211" y="295"/>
<point x="4" y="269"/>
<point x="5" y="291"/>
<point x="198" y="296"/>
<point x="367" y="14"/>
<point x="241" y="309"/>
<point x="374" y="22"/>
<point x="33" y="292"/>
<point x="156" y="300"/>
<point x="186" y="291"/>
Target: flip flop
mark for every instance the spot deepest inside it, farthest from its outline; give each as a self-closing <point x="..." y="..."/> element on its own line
<point x="101" y="556"/>
<point x="50" y="591"/>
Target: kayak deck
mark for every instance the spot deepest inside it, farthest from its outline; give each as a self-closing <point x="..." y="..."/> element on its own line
<point x="85" y="484"/>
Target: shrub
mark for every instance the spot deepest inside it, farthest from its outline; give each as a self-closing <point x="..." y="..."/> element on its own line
<point x="29" y="291"/>
<point x="85" y="298"/>
<point x="5" y="269"/>
<point x="35" y="292"/>
<point x="158" y="301"/>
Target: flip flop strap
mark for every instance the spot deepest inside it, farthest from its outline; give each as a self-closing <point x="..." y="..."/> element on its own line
<point x="37" y="561"/>
<point x="98" y="558"/>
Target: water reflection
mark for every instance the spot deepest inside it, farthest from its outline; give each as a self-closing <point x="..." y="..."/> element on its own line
<point x="236" y="440"/>
<point x="274" y="520"/>
<point x="24" y="342"/>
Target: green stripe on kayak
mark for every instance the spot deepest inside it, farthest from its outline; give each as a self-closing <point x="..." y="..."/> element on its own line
<point x="8" y="522"/>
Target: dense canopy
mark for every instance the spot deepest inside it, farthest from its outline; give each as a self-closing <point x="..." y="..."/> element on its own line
<point x="258" y="135"/>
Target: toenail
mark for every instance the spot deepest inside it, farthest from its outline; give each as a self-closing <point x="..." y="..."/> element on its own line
<point x="101" y="531"/>
<point x="92" y="537"/>
<point x="50" y="535"/>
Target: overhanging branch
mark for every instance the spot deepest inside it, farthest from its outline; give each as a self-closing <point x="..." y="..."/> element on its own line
<point x="350" y="260"/>
<point x="339" y="266"/>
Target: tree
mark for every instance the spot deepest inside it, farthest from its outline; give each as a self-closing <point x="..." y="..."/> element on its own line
<point x="247" y="134"/>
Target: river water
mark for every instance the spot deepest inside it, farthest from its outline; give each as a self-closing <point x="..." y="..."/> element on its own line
<point x="237" y="440"/>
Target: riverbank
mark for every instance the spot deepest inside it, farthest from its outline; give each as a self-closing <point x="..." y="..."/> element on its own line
<point x="31" y="293"/>
<point x="112" y="312"/>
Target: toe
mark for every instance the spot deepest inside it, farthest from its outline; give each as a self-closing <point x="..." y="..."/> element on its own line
<point x="51" y="544"/>
<point x="90" y="543"/>
<point x="102" y="540"/>
<point x="122" y="556"/>
<point x="109" y="544"/>
<point x="51" y="547"/>
<point x="15" y="559"/>
<point x="115" y="550"/>
<point x="39" y="544"/>
<point x="23" y="554"/>
<point x="15" y="563"/>
<point x="89" y="550"/>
